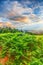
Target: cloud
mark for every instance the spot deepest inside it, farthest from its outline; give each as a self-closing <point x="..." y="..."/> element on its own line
<point x="15" y="8"/>
<point x="41" y="12"/>
<point x="18" y="9"/>
<point x="24" y="8"/>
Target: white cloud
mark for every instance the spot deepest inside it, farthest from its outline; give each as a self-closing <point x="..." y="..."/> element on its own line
<point x="41" y="12"/>
<point x="18" y="9"/>
<point x="13" y="8"/>
<point x="2" y="19"/>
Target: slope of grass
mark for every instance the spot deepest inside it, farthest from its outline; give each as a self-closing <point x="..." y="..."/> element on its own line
<point x="21" y="49"/>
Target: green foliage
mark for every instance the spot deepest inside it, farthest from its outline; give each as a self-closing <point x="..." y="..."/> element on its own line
<point x="26" y="49"/>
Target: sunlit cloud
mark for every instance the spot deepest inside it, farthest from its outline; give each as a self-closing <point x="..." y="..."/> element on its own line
<point x="26" y="14"/>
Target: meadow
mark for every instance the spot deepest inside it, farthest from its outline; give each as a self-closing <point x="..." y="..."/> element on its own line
<point x="20" y="48"/>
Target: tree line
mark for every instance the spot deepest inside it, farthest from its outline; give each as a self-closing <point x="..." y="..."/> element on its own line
<point x="12" y="30"/>
<point x="8" y="30"/>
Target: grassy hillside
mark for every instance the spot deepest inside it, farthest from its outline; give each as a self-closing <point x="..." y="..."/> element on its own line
<point x="21" y="48"/>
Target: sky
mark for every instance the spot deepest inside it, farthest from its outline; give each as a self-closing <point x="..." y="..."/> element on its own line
<point x="21" y="7"/>
<point x="32" y="9"/>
